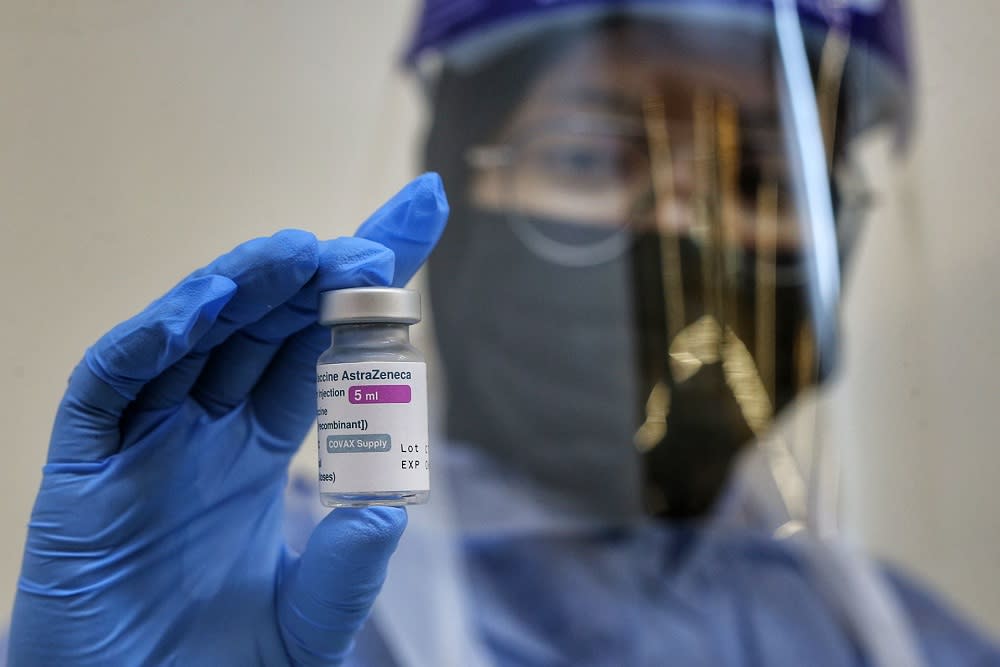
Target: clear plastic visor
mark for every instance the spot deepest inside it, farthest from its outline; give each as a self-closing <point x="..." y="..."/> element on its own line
<point x="651" y="181"/>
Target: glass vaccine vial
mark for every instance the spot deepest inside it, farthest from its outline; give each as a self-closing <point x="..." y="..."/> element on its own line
<point x="371" y="400"/>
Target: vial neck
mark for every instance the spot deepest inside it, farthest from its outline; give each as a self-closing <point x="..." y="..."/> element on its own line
<point x="366" y="335"/>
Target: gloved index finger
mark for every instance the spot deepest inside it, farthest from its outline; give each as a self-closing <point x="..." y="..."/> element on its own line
<point x="268" y="271"/>
<point x="203" y="310"/>
<point x="410" y="224"/>
<point x="237" y="365"/>
<point x="116" y="368"/>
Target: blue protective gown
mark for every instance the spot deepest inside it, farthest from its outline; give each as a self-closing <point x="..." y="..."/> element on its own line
<point x="505" y="581"/>
<point x="533" y="587"/>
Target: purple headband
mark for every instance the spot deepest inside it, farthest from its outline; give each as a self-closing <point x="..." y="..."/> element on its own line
<point x="875" y="24"/>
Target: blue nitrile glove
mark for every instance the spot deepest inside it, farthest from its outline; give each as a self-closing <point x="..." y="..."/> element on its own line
<point x="156" y="537"/>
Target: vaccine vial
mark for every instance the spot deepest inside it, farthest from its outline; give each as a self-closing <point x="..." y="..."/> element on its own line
<point x="371" y="400"/>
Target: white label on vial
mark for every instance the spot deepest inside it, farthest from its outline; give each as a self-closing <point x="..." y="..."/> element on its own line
<point x="372" y="425"/>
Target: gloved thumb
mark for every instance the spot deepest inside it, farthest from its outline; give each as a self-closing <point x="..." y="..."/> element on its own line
<point x="326" y="595"/>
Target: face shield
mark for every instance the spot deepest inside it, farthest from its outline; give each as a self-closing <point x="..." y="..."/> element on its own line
<point x="641" y="272"/>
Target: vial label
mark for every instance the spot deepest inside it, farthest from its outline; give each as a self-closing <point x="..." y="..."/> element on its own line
<point x="372" y="426"/>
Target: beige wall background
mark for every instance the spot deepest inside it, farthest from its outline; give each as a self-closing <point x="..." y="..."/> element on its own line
<point x="140" y="138"/>
<point x="916" y="411"/>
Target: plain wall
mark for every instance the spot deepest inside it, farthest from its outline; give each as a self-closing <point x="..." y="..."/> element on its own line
<point x="141" y="139"/>
<point x="916" y="411"/>
<point x="138" y="140"/>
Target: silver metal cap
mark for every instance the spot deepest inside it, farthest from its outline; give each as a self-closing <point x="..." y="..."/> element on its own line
<point x="369" y="304"/>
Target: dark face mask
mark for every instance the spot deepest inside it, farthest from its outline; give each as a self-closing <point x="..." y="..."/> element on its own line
<point x="549" y="369"/>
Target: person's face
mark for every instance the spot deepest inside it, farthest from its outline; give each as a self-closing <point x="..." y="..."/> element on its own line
<point x="670" y="144"/>
<point x="622" y="129"/>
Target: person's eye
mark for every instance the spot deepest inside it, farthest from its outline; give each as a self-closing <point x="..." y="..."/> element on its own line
<point x="581" y="161"/>
<point x="584" y="164"/>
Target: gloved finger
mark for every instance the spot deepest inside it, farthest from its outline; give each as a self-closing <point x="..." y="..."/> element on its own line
<point x="404" y="229"/>
<point x="267" y="271"/>
<point x="171" y="386"/>
<point x="115" y="369"/>
<point x="238" y="363"/>
<point x="410" y="224"/>
<point x="284" y="399"/>
<point x="327" y="595"/>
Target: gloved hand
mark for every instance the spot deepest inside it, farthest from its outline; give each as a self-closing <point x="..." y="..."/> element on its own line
<point x="156" y="537"/>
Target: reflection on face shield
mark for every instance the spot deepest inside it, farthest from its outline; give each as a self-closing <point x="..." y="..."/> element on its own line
<point x="628" y="266"/>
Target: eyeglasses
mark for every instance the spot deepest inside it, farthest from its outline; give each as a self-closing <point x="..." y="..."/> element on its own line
<point x="627" y="174"/>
